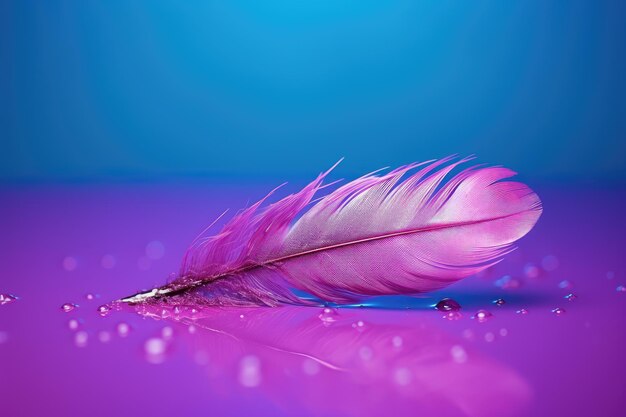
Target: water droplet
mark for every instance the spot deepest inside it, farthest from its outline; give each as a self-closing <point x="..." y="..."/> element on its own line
<point x="310" y="367"/>
<point x="165" y="314"/>
<point x="366" y="353"/>
<point x="558" y="311"/>
<point x="108" y="261"/>
<point x="490" y="337"/>
<point x="397" y="341"/>
<point x="565" y="284"/>
<point x="499" y="302"/>
<point x="123" y="329"/>
<point x="67" y="307"/>
<point x="328" y="316"/>
<point x="7" y="298"/>
<point x="570" y="297"/>
<point x="507" y="282"/>
<point x="620" y="288"/>
<point x="250" y="371"/>
<point x="448" y="304"/>
<point x="458" y="353"/>
<point x="90" y="297"/>
<point x="167" y="333"/>
<point x="70" y="263"/>
<point x="155" y="250"/>
<point x="531" y="271"/>
<point x="73" y="324"/>
<point x="177" y="311"/>
<point x="503" y="332"/>
<point x="359" y="325"/>
<point x="522" y="311"/>
<point x="549" y="263"/>
<point x="104" y="336"/>
<point x="104" y="310"/>
<point x="402" y="376"/>
<point x="452" y="315"/>
<point x="482" y="316"/>
<point x="155" y="349"/>
<point x="80" y="339"/>
<point x="241" y="316"/>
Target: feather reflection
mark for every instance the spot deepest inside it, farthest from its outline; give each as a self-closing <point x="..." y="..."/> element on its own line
<point x="359" y="363"/>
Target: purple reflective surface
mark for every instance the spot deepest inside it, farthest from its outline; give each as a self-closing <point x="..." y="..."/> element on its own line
<point x="395" y="356"/>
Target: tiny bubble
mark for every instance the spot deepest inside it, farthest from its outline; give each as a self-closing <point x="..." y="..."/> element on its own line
<point x="70" y="263"/>
<point x="507" y="282"/>
<point x="250" y="371"/>
<point x="452" y="315"/>
<point x="155" y="250"/>
<point x="167" y="333"/>
<point x="7" y="298"/>
<point x="499" y="302"/>
<point x="549" y="263"/>
<point x="458" y="353"/>
<point x="397" y="342"/>
<point x="104" y="310"/>
<point x="80" y="339"/>
<point x="503" y="332"/>
<point x="123" y="329"/>
<point x="482" y="316"/>
<point x="104" y="336"/>
<point x="67" y="307"/>
<point x="328" y="316"/>
<point x="359" y="325"/>
<point x="490" y="337"/>
<point x="402" y="376"/>
<point x="558" y="311"/>
<point x="366" y="353"/>
<point x="531" y="271"/>
<point x="565" y="284"/>
<point x="522" y="311"/>
<point x="155" y="349"/>
<point x="570" y="297"/>
<point x="90" y="297"/>
<point x="108" y="261"/>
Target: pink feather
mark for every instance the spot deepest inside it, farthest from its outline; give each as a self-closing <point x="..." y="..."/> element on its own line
<point x="376" y="235"/>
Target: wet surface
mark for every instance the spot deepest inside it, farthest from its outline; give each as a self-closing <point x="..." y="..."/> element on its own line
<point x="540" y="334"/>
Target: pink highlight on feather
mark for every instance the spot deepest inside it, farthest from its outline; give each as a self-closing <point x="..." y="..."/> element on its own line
<point x="376" y="235"/>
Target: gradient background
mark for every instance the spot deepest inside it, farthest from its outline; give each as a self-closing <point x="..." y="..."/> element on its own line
<point x="125" y="123"/>
<point x="246" y="89"/>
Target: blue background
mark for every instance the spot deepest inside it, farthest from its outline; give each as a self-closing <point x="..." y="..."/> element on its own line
<point x="248" y="89"/>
